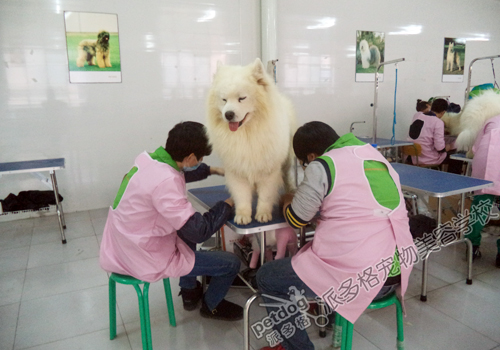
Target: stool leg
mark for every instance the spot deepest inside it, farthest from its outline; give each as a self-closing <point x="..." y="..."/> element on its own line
<point x="170" y="303"/>
<point x="350" y="329"/>
<point x="399" y="317"/>
<point x="112" y="309"/>
<point x="337" y="332"/>
<point x="343" y="323"/>
<point x="145" y="297"/>
<point x="144" y="332"/>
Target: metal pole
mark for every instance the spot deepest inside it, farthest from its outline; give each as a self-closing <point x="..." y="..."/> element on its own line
<point x="467" y="90"/>
<point x="374" y="137"/>
<point x="246" y="321"/>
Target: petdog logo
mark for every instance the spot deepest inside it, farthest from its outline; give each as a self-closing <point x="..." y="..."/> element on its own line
<point x="285" y="309"/>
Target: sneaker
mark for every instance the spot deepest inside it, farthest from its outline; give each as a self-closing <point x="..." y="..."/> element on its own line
<point x="191" y="297"/>
<point x="476" y="254"/>
<point x="497" y="262"/>
<point x="225" y="311"/>
<point x="277" y="347"/>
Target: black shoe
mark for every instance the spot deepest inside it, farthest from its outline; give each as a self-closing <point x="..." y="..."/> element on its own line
<point x="225" y="311"/>
<point x="191" y="297"/>
<point x="476" y="254"/>
<point x="497" y="263"/>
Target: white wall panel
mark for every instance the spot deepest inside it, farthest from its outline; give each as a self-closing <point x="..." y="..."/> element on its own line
<point x="317" y="66"/>
<point x="169" y="51"/>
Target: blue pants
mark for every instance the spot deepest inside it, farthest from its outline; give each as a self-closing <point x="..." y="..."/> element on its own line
<point x="275" y="278"/>
<point x="221" y="266"/>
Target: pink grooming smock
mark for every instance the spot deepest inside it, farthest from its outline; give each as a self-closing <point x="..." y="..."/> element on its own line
<point x="486" y="162"/>
<point x="429" y="133"/>
<point x="354" y="235"/>
<point x="140" y="237"/>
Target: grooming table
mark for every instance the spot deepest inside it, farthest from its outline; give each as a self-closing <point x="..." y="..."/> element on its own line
<point x="439" y="184"/>
<point x="35" y="166"/>
<point x="386" y="143"/>
<point x="207" y="197"/>
<point x="463" y="158"/>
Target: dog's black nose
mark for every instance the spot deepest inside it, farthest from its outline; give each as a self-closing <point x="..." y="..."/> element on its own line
<point x="229" y="115"/>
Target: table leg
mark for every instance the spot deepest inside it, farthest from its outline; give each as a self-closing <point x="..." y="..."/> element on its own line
<point x="262" y="248"/>
<point x="60" y="212"/>
<point x="469" y="260"/>
<point x="425" y="267"/>
<point x="423" y="294"/>
<point x="302" y="232"/>
<point x="218" y="240"/>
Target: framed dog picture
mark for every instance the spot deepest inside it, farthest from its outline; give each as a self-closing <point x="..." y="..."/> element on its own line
<point x="453" y="61"/>
<point x="370" y="51"/>
<point x="93" y="47"/>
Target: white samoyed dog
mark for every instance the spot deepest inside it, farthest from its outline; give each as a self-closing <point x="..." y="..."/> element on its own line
<point x="250" y="126"/>
<point x="476" y="112"/>
<point x="370" y="54"/>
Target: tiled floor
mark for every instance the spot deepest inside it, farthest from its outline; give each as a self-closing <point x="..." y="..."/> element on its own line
<point x="55" y="296"/>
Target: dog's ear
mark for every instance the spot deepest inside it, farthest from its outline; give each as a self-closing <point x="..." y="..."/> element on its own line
<point x="259" y="72"/>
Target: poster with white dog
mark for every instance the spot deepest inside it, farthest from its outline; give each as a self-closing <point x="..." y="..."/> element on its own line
<point x="93" y="47"/>
<point x="370" y="51"/>
<point x="453" y="61"/>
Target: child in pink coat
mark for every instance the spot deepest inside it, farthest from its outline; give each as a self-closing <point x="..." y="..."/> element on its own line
<point x="427" y="129"/>
<point x="485" y="165"/>
<point x="152" y="229"/>
<point x="362" y="248"/>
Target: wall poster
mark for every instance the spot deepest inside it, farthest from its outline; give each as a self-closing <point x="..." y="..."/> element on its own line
<point x="453" y="61"/>
<point x="93" y="47"/>
<point x="370" y="51"/>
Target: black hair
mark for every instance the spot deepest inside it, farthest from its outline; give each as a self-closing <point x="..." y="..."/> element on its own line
<point x="421" y="105"/>
<point x="439" y="105"/>
<point x="313" y="137"/>
<point x="186" y="138"/>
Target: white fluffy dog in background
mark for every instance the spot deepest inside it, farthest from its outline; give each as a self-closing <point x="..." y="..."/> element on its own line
<point x="370" y="54"/>
<point x="251" y="125"/>
<point x="476" y="112"/>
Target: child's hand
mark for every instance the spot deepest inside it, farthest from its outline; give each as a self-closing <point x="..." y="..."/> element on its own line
<point x="230" y="201"/>
<point x="216" y="171"/>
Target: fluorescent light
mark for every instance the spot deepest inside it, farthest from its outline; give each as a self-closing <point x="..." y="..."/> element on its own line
<point x="408" y="30"/>
<point x="326" y="22"/>
<point x="209" y="15"/>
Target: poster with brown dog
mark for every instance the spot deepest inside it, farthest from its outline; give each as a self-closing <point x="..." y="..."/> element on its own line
<point x="93" y="47"/>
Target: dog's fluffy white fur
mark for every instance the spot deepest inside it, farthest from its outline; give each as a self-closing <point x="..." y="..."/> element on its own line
<point x="476" y="112"/>
<point x="257" y="154"/>
<point x="370" y="54"/>
<point x="452" y="58"/>
<point x="452" y="123"/>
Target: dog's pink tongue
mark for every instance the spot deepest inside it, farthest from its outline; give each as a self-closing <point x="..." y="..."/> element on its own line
<point x="233" y="126"/>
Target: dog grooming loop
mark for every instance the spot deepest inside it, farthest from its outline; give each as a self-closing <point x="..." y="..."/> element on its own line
<point x="374" y="136"/>
<point x="467" y="90"/>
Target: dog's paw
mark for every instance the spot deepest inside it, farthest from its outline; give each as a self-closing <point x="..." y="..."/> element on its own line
<point x="242" y="219"/>
<point x="263" y="216"/>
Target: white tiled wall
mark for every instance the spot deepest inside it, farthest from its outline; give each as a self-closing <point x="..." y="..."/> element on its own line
<point x="168" y="57"/>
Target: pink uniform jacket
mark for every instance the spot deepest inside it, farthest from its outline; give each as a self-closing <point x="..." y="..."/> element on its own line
<point x="486" y="162"/>
<point x="355" y="238"/>
<point x="431" y="138"/>
<point x="140" y="236"/>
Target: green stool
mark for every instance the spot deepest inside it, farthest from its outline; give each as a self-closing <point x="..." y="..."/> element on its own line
<point x="342" y="336"/>
<point x="143" y="297"/>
